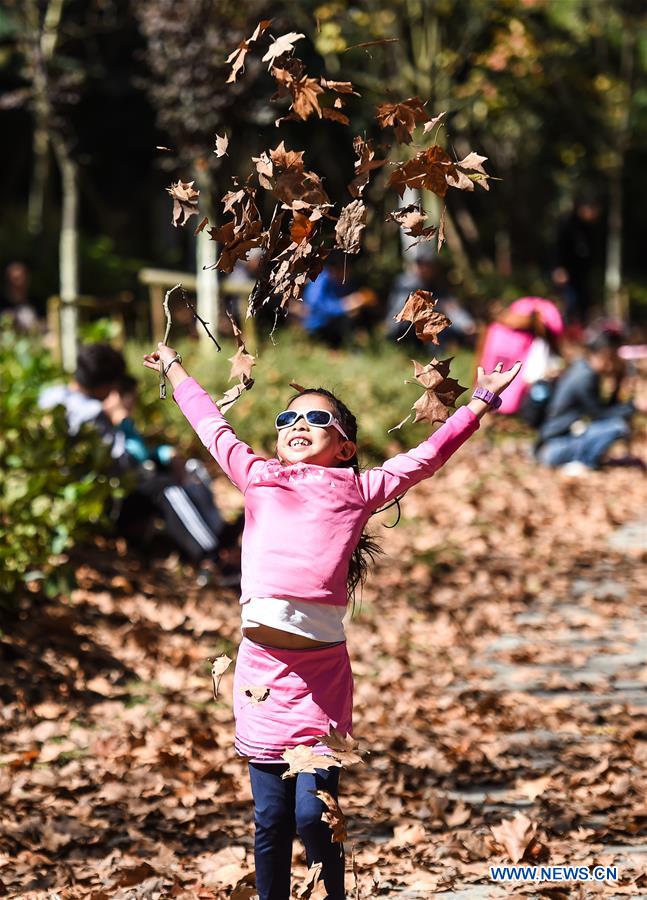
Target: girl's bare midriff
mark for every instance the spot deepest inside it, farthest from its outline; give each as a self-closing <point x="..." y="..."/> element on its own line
<point x="282" y="640"/>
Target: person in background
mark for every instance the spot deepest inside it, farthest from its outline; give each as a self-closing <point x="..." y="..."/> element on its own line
<point x="576" y="248"/>
<point x="330" y="303"/>
<point x="15" y="299"/>
<point x="530" y="330"/>
<point x="426" y="275"/>
<point x="580" y="427"/>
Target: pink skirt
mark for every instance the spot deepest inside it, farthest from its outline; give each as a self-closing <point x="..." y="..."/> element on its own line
<point x="309" y="690"/>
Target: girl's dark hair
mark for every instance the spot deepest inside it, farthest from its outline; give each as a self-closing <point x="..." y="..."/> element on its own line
<point x="367" y="549"/>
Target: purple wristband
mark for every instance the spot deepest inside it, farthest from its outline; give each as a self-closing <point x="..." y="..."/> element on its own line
<point x="487" y="397"/>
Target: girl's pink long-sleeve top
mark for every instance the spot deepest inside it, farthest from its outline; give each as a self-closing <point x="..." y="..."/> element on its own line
<point x="302" y="522"/>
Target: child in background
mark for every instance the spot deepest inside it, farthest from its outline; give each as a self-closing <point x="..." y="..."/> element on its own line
<point x="305" y="512"/>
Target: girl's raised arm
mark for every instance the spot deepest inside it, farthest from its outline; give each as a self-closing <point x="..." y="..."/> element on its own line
<point x="397" y="475"/>
<point x="235" y="458"/>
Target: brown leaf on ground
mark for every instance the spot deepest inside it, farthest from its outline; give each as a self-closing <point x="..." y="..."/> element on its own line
<point x="218" y="669"/>
<point x="237" y="57"/>
<point x="402" y="117"/>
<point x="349" y="227"/>
<point x="514" y="835"/>
<point x="334" y="817"/>
<point x="419" y="309"/>
<point x="185" y="201"/>
<point x="279" y="47"/>
<point x="303" y="758"/>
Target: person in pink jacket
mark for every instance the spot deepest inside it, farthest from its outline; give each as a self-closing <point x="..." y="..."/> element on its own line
<point x="305" y="513"/>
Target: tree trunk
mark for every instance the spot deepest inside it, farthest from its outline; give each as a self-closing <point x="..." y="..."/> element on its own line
<point x="68" y="254"/>
<point x="205" y="257"/>
<point x="622" y="125"/>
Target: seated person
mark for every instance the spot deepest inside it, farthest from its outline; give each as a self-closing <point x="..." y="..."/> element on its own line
<point x="579" y="426"/>
<point x="529" y="330"/>
<point x="330" y="303"/>
<point x="194" y="527"/>
<point x="15" y="300"/>
<point x="426" y="275"/>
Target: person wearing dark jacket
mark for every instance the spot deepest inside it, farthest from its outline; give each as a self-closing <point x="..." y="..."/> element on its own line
<point x="580" y="426"/>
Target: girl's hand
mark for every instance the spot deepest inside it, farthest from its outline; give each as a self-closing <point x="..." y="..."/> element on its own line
<point x="176" y="374"/>
<point x="166" y="354"/>
<point x="498" y="380"/>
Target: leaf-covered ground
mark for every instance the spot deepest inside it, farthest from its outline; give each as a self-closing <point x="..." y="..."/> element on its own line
<point x="499" y="655"/>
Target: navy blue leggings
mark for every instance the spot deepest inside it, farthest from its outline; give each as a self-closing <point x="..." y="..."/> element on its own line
<point x="283" y="808"/>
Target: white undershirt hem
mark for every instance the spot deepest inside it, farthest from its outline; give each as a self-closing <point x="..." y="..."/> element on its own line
<point x="317" y="621"/>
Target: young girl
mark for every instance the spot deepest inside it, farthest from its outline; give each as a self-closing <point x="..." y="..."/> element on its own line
<point x="305" y="511"/>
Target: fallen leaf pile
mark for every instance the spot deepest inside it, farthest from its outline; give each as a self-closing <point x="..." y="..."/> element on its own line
<point x="499" y="692"/>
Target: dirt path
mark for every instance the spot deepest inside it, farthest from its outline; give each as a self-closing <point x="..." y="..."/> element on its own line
<point x="499" y="655"/>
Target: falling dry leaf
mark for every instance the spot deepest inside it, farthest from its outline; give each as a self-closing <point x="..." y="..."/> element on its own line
<point x="303" y="758"/>
<point x="255" y="693"/>
<point x="282" y="45"/>
<point x="403" y="117"/>
<point x="441" y="392"/>
<point x="344" y="747"/>
<point x="419" y="309"/>
<point x="218" y="668"/>
<point x="334" y="817"/>
<point x="412" y="220"/>
<point x="221" y="145"/>
<point x="237" y="57"/>
<point x="200" y="228"/>
<point x="350" y="225"/>
<point x="185" y="201"/>
<point x="242" y="364"/>
<point x="431" y="124"/>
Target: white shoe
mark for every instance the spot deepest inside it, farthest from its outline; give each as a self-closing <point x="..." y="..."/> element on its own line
<point x="574" y="469"/>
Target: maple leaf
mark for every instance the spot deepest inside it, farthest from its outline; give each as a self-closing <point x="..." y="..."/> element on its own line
<point x="344" y="747"/>
<point x="298" y="189"/>
<point x="280" y="46"/>
<point x="364" y="165"/>
<point x="412" y="220"/>
<point x="403" y="117"/>
<point x="185" y="201"/>
<point x="441" y="392"/>
<point x="429" y="169"/>
<point x="221" y="145"/>
<point x="312" y="887"/>
<point x="350" y="225"/>
<point x="255" y="693"/>
<point x="237" y="57"/>
<point x="303" y="227"/>
<point x="419" y="309"/>
<point x="287" y="159"/>
<point x="218" y="669"/>
<point x="341" y="87"/>
<point x="234" y="393"/>
<point x="242" y="363"/>
<point x="335" y="116"/>
<point x="265" y="169"/>
<point x="292" y="79"/>
<point x="431" y="124"/>
<point x="334" y="817"/>
<point x="303" y="758"/>
<point x="515" y="835"/>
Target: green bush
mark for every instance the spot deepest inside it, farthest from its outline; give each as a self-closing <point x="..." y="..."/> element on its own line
<point x="53" y="492"/>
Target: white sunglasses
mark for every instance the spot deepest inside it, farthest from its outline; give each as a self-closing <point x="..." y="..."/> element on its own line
<point x="319" y="418"/>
